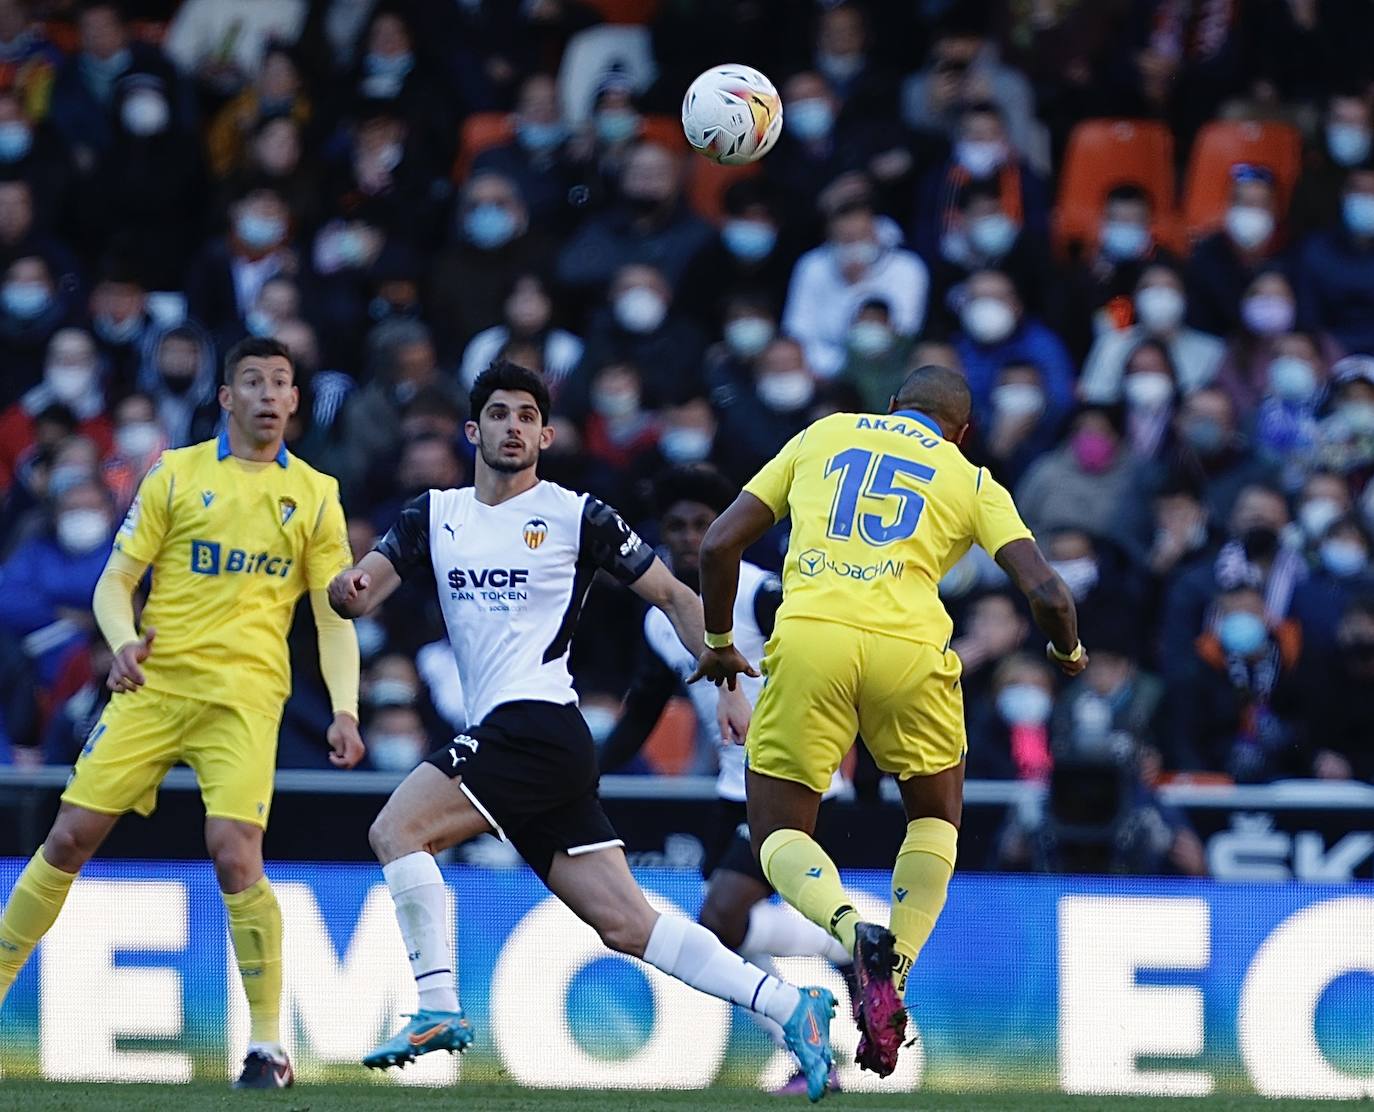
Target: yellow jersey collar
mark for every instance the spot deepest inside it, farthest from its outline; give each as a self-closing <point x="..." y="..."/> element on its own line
<point x="921" y="419"/>
<point x="222" y="449"/>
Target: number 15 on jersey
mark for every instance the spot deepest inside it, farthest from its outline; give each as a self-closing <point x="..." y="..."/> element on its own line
<point x="862" y="475"/>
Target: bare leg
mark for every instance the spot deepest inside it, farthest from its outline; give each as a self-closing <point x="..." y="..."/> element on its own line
<point x="428" y="812"/>
<point x="75" y="836"/>
<point x="729" y="898"/>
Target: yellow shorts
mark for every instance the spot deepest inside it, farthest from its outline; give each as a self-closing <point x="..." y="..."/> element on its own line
<point x="825" y="682"/>
<point x="144" y="733"/>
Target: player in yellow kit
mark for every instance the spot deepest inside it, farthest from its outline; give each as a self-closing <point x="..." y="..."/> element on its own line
<point x="881" y="508"/>
<point x="235" y="530"/>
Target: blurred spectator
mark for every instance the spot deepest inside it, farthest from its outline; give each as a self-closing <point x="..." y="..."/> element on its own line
<point x="753" y="250"/>
<point x="832" y="281"/>
<point x="1083" y="483"/>
<point x="396" y="738"/>
<point x="529" y="318"/>
<point x="862" y="84"/>
<point x="47" y="582"/>
<point x="1149" y="388"/>
<point x="1113" y="703"/>
<point x="1224" y="263"/>
<point x="1342" y="574"/>
<point x="1104" y="583"/>
<point x="1160" y="308"/>
<point x="1286" y="429"/>
<point x="599" y="149"/>
<point x="22" y="234"/>
<point x="876" y="357"/>
<point x="222" y="43"/>
<point x="1346" y="435"/>
<point x="138" y="441"/>
<point x="181" y="376"/>
<point x="32" y="309"/>
<point x="995" y="330"/>
<point x="275" y="157"/>
<point x="31" y="151"/>
<point x="1335" y="279"/>
<point x="1323" y="500"/>
<point x="1211" y="453"/>
<point x="1338" y="700"/>
<point x="78" y="708"/>
<point x="384" y="178"/>
<point x="650" y="223"/>
<point x="993" y="628"/>
<point x="29" y="60"/>
<point x="276" y="92"/>
<point x="1021" y="427"/>
<point x="71" y="378"/>
<point x="493" y="245"/>
<point x="1342" y="142"/>
<point x="620" y="432"/>
<point x="982" y="153"/>
<point x="1008" y="734"/>
<point x="120" y="321"/>
<point x="538" y="161"/>
<point x="758" y="419"/>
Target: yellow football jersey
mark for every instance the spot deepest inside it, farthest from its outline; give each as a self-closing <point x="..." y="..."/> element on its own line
<point x="882" y="508"/>
<point x="233" y="545"/>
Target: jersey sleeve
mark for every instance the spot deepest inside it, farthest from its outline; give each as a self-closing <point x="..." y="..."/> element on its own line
<point x="406" y="543"/>
<point x="144" y="526"/>
<point x="328" y="552"/>
<point x="996" y="520"/>
<point x="773" y="484"/>
<point x="610" y="544"/>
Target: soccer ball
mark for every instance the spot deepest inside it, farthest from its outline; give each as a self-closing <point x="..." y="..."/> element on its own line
<point x="732" y="114"/>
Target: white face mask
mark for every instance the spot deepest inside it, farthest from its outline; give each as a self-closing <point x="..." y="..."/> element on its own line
<point x="1078" y="574"/>
<point x="685" y="445"/>
<point x="145" y="114"/>
<point x="1018" y="399"/>
<point x="391" y="693"/>
<point x="640" y="309"/>
<point x="1316" y="514"/>
<point x="69" y="381"/>
<point x="371" y="636"/>
<point x="1148" y="389"/>
<point x="747" y="336"/>
<point x="137" y="439"/>
<point x="1292" y="379"/>
<point x="600" y="722"/>
<point x="786" y="391"/>
<point x="992" y="236"/>
<point x="1160" y="308"/>
<point x="1248" y="225"/>
<point x="870" y="338"/>
<point x="861" y="253"/>
<point x="82" y="531"/>
<point x="395" y="752"/>
<point x="989" y="320"/>
<point x="1024" y="704"/>
<point x="615" y="405"/>
<point x="980" y="157"/>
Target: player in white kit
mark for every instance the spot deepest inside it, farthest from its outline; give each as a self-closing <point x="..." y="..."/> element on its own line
<point x="512" y="558"/>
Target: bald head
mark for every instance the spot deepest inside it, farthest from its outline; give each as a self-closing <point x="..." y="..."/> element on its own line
<point x="937" y="392"/>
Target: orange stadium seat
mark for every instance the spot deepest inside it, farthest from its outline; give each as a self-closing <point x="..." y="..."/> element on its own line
<point x="707" y="182"/>
<point x="1219" y="146"/>
<point x="1103" y="154"/>
<point x="481" y="131"/>
<point x="666" y="131"/>
<point x="625" y="11"/>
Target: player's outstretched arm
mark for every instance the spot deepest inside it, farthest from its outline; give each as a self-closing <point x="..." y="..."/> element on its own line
<point x="359" y="590"/>
<point x="660" y="587"/>
<point x="1050" y="601"/>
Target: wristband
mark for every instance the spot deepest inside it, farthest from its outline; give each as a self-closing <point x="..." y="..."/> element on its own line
<point x="1068" y="658"/>
<point x="720" y="640"/>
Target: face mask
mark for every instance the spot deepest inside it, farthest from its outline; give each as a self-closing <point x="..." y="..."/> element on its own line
<point x="1024" y="704"/>
<point x="63" y="479"/>
<point x="839" y="67"/>
<point x="616" y="125"/>
<point x="391" y="693"/>
<point x="117" y="331"/>
<point x="1079" y="575"/>
<point x="749" y="240"/>
<point x="1292" y="379"/>
<point x="109" y="68"/>
<point x="980" y="157"/>
<point x="26" y="300"/>
<point x="1267" y="314"/>
<point x="69" y="382"/>
<point x="137" y="439"/>
<point x="1122" y="241"/>
<point x="747" y="336"/>
<point x="15" y="141"/>
<point x="640" y="310"/>
<point x="394" y="65"/>
<point x="395" y="752"/>
<point x="540" y="137"/>
<point x="786" y="391"/>
<point x="870" y="338"/>
<point x="809" y="119"/>
<point x="1358" y="417"/>
<point x="389" y="156"/>
<point x="988" y="320"/>
<point x="350" y="247"/>
<point x="862" y="254"/>
<point x="685" y="445"/>
<point x="1160" y="308"/>
<point x="371" y="636"/>
<point x="1242" y="633"/>
<point x="1018" y="399"/>
<point x="145" y="114"/>
<point x="1094" y="451"/>
<point x="1206" y="436"/>
<point x="1343" y="559"/>
<point x="615" y="405"/>
<point x="600" y="722"/>
<point x="1249" y="226"/>
<point x="489" y="226"/>
<point x="1358" y="212"/>
<point x="81" y="531"/>
<point x="1148" y="389"/>
<point x="259" y="323"/>
<point x="1316" y="514"/>
<point x="992" y="236"/>
<point x="1348" y="143"/>
<point x="259" y="232"/>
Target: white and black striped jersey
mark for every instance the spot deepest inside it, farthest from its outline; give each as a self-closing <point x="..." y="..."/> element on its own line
<point x="511" y="580"/>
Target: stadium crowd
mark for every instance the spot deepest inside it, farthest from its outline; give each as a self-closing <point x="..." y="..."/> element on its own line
<point x="1180" y="396"/>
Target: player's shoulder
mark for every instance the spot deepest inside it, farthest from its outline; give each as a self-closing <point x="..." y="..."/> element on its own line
<point x="176" y="461"/>
<point x="309" y="475"/>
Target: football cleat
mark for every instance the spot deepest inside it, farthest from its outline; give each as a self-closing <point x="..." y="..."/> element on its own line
<point x="878" y="1009"/>
<point x="426" y="1032"/>
<point x="807" y="1033"/>
<point x="262" y="1071"/>
<point x="796" y="1084"/>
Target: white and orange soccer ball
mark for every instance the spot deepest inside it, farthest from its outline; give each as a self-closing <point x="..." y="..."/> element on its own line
<point x="732" y="114"/>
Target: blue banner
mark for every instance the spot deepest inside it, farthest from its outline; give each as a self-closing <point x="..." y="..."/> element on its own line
<point x="1086" y="985"/>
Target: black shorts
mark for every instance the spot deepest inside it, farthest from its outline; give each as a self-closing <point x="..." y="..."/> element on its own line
<point x="728" y="843"/>
<point x="530" y="768"/>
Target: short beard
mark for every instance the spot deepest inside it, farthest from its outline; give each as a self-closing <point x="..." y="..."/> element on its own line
<point x="508" y="467"/>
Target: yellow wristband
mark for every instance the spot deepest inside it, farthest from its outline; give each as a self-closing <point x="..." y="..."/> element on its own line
<point x="1067" y="658"/>
<point x="720" y="640"/>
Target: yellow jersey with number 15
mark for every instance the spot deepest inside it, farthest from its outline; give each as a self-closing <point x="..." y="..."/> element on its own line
<point x="233" y="545"/>
<point x="881" y="508"/>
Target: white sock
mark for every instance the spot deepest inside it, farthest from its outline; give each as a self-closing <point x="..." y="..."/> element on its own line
<point x="764" y="1024"/>
<point x="689" y="952"/>
<point x="417" y="889"/>
<point x="776" y="929"/>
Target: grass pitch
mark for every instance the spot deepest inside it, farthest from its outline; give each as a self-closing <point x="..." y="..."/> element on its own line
<point x="32" y="1096"/>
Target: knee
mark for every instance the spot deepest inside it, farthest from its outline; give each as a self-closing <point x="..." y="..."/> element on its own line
<point x="65" y="849"/>
<point x="388" y="839"/>
<point x="729" y="924"/>
<point x="237" y="864"/>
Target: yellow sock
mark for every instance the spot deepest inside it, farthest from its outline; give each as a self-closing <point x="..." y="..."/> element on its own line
<point x="806" y="878"/>
<point x="920" y="880"/>
<point x="38" y="896"/>
<point x="255" y="924"/>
